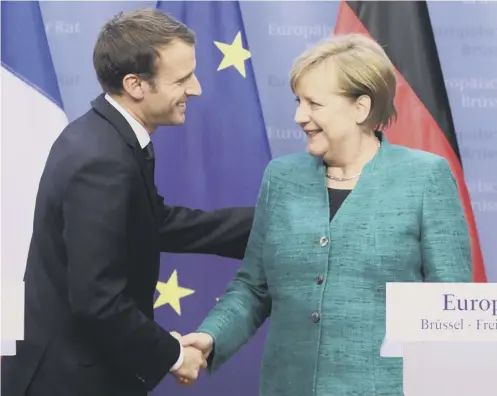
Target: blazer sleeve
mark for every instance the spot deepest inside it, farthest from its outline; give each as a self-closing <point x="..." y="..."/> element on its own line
<point x="247" y="302"/>
<point x="95" y="207"/>
<point x="445" y="241"/>
<point x="223" y="232"/>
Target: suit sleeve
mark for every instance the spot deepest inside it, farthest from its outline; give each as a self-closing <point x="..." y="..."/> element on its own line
<point x="95" y="207"/>
<point x="223" y="232"/>
<point x="445" y="241"/>
<point x="247" y="302"/>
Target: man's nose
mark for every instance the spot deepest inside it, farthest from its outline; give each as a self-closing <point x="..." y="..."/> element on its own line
<point x="194" y="88"/>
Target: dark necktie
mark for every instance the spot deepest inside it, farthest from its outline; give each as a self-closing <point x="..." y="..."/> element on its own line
<point x="149" y="153"/>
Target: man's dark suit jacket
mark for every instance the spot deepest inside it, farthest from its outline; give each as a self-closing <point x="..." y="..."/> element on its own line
<point x="93" y="266"/>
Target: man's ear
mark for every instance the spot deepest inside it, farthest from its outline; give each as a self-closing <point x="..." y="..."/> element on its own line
<point x="133" y="86"/>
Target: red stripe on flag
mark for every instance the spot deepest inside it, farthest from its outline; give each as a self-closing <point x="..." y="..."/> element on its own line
<point x="416" y="128"/>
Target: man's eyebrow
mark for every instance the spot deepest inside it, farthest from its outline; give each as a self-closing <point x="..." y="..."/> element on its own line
<point x="184" y="78"/>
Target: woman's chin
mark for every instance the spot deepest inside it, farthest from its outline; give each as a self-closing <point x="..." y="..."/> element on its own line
<point x="316" y="150"/>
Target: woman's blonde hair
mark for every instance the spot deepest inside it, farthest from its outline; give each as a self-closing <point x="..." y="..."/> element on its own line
<point x="365" y="69"/>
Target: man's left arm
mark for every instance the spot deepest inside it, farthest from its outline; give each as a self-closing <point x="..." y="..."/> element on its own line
<point x="223" y="232"/>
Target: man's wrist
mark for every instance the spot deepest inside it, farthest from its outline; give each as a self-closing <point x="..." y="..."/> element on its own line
<point x="179" y="362"/>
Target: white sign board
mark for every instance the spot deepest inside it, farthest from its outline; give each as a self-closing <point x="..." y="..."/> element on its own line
<point x="446" y="334"/>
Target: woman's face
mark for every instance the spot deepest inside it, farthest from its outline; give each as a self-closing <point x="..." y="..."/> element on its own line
<point x="326" y="117"/>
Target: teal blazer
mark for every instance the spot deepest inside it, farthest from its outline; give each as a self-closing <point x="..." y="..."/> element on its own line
<point x="322" y="283"/>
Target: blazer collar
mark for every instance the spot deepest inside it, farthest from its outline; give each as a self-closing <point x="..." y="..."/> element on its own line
<point x="376" y="163"/>
<point x="111" y="114"/>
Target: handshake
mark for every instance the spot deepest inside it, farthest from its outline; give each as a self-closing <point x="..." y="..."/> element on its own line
<point x="196" y="349"/>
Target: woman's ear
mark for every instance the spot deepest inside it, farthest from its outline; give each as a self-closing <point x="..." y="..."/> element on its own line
<point x="363" y="107"/>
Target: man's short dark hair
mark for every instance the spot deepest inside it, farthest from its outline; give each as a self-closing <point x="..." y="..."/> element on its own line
<point x="129" y="43"/>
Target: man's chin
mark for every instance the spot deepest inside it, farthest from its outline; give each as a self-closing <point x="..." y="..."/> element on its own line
<point x="176" y="121"/>
<point x="180" y="118"/>
<point x="180" y="122"/>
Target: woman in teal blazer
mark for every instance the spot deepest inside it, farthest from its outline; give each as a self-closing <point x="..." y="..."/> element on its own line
<point x="395" y="217"/>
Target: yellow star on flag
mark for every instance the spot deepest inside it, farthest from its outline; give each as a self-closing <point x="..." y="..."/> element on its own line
<point x="234" y="54"/>
<point x="171" y="293"/>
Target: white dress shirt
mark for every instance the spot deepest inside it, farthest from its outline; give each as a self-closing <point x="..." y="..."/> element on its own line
<point x="143" y="139"/>
<point x="141" y="133"/>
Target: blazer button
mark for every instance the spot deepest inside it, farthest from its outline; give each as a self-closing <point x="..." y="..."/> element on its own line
<point x="315" y="317"/>
<point x="319" y="279"/>
<point x="323" y="241"/>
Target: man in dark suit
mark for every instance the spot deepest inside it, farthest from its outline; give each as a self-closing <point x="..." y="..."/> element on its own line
<point x="100" y="225"/>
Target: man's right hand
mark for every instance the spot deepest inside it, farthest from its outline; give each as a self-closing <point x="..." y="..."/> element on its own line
<point x="202" y="343"/>
<point x="193" y="361"/>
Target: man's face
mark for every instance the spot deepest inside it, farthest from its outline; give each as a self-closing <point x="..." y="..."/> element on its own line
<point x="175" y="81"/>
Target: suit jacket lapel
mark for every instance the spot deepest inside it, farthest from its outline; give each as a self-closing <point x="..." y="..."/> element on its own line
<point x="110" y="113"/>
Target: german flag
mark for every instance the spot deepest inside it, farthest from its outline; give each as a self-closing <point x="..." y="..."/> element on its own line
<point x="403" y="29"/>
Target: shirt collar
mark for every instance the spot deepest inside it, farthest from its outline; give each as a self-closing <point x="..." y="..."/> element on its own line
<point x="141" y="133"/>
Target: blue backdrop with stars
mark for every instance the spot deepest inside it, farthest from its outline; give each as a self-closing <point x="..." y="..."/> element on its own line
<point x="223" y="150"/>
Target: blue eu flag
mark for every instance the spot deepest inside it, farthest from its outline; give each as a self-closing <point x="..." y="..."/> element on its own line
<point x="215" y="160"/>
